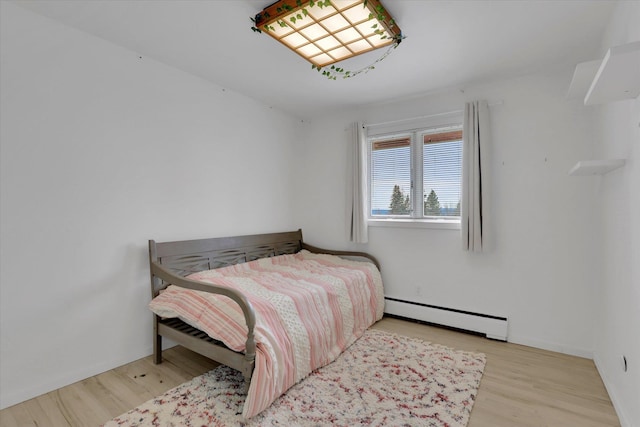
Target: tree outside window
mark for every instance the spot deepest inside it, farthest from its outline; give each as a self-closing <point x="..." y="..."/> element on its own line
<point x="432" y="205"/>
<point x="400" y="203"/>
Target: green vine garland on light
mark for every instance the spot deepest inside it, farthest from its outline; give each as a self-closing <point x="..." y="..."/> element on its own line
<point x="333" y="71"/>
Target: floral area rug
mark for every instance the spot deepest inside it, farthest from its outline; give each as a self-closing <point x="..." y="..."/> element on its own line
<point x="383" y="379"/>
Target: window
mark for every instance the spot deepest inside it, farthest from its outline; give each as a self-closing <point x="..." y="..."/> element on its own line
<point x="416" y="175"/>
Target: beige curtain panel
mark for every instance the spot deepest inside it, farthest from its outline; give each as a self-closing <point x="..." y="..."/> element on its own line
<point x="475" y="142"/>
<point x="357" y="215"/>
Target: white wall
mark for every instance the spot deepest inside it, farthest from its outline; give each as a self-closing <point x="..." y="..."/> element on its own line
<point x="540" y="271"/>
<point x="102" y="150"/>
<point x="618" y="195"/>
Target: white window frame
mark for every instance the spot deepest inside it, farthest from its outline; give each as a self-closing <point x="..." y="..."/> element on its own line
<point x="416" y="132"/>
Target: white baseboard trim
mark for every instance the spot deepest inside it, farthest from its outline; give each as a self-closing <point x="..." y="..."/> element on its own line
<point x="493" y="327"/>
<point x="13" y="397"/>
<point x="624" y="420"/>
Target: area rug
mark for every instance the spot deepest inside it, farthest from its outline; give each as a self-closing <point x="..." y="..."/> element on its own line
<point x="383" y="379"/>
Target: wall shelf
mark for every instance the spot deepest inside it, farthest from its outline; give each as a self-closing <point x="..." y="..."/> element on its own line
<point x="582" y="78"/>
<point x="595" y="167"/>
<point x="615" y="78"/>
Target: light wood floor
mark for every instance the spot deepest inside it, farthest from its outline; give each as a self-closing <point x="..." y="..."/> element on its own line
<point x="521" y="386"/>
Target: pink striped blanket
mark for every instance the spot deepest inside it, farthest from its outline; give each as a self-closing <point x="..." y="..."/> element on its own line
<point x="309" y="309"/>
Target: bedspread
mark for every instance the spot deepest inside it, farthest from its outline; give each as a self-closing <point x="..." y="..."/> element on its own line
<point x="309" y="308"/>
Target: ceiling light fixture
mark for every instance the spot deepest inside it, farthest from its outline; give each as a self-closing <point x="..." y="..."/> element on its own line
<point x="327" y="31"/>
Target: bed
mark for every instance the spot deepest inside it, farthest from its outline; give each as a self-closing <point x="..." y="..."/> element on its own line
<point x="231" y="299"/>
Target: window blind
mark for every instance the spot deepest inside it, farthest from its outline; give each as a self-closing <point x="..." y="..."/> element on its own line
<point x="442" y="176"/>
<point x="391" y="167"/>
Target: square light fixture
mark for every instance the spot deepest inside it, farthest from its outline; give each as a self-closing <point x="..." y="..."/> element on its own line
<point x="327" y="31"/>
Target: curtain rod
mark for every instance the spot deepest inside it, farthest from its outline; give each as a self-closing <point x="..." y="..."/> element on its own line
<point x="365" y="125"/>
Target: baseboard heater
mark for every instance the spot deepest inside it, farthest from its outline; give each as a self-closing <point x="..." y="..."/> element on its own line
<point x="493" y="327"/>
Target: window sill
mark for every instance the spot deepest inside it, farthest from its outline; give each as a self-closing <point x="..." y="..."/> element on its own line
<point x="415" y="223"/>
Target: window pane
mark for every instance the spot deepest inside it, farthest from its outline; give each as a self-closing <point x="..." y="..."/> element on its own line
<point x="442" y="176"/>
<point x="391" y="177"/>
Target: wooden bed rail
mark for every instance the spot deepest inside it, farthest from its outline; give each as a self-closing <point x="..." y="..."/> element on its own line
<point x="249" y="315"/>
<point x="160" y="272"/>
<point x="348" y="254"/>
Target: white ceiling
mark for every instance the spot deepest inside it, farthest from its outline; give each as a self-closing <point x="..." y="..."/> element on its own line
<point x="448" y="44"/>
